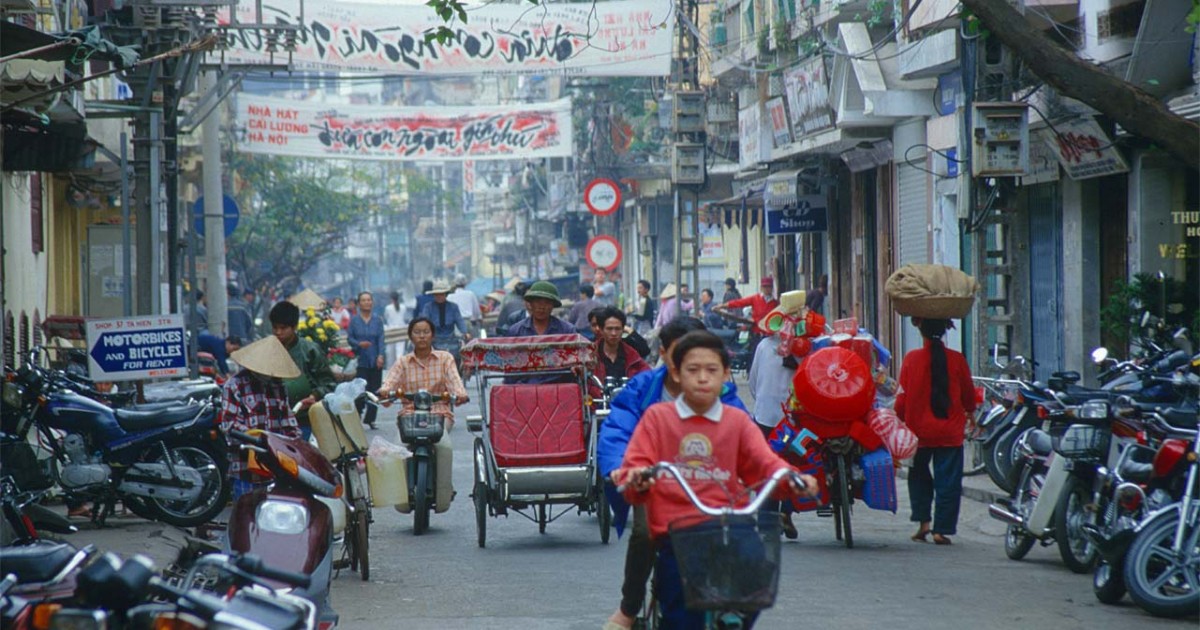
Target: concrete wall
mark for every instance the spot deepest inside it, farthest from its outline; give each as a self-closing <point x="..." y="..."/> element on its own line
<point x="1081" y="273"/>
<point x="25" y="273"/>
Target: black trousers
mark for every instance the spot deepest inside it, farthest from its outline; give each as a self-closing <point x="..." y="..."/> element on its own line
<point x="639" y="563"/>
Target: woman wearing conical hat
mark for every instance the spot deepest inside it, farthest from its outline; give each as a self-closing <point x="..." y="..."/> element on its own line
<point x="255" y="398"/>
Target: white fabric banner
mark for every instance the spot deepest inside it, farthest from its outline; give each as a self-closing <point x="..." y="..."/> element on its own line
<point x="305" y="129"/>
<point x="614" y="38"/>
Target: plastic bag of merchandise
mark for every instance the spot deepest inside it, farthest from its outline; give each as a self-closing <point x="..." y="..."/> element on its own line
<point x="900" y="441"/>
<point x="386" y="474"/>
<point x="342" y="399"/>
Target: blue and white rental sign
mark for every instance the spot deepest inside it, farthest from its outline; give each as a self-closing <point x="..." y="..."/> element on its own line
<point x="135" y="348"/>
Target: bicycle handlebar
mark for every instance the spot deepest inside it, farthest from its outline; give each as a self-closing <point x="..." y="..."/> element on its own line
<point x="751" y="508"/>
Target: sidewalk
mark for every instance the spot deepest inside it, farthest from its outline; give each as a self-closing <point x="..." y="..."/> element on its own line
<point x="976" y="487"/>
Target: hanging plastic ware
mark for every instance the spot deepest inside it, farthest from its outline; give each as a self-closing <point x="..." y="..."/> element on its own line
<point x="800" y="347"/>
<point x="835" y="384"/>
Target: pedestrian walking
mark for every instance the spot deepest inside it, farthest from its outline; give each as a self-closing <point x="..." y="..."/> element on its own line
<point x="241" y="324"/>
<point x="201" y="321"/>
<point x="644" y="309"/>
<point x="468" y="304"/>
<point x="512" y="310"/>
<point x="339" y="314"/>
<point x="605" y="289"/>
<point x="395" y="315"/>
<point x="707" y="315"/>
<point x="936" y="396"/>
<point x="315" y="379"/>
<point x="578" y="315"/>
<point x="365" y="335"/>
<point x="816" y="297"/>
<point x="731" y="291"/>
<point x="423" y="298"/>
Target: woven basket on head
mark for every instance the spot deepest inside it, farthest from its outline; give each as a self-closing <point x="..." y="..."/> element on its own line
<point x="932" y="291"/>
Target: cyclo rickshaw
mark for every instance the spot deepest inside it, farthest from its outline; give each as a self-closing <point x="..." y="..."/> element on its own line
<point x="535" y="442"/>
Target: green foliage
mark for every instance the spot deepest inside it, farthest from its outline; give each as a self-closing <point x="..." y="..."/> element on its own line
<point x="878" y="11"/>
<point x="1193" y="17"/>
<point x="295" y="212"/>
<point x="1173" y="301"/>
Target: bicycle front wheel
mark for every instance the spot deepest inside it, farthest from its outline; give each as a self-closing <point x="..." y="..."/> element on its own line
<point x="845" y="496"/>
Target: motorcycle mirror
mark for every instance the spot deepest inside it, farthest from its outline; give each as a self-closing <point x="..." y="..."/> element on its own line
<point x="1099" y="355"/>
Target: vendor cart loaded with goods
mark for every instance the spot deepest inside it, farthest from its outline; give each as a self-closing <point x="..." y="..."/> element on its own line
<point x="837" y="424"/>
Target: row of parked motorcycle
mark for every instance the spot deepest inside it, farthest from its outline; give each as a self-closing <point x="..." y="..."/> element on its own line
<point x="168" y="462"/>
<point x="1108" y="474"/>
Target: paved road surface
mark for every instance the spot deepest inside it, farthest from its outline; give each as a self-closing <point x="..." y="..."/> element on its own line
<point x="566" y="580"/>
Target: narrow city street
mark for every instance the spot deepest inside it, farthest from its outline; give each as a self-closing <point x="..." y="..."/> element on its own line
<point x="567" y="580"/>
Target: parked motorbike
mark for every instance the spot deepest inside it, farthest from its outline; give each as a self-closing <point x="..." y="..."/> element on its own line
<point x="1162" y="566"/>
<point x="422" y="431"/>
<point x="287" y="523"/>
<point x="23" y="519"/>
<point x="162" y="461"/>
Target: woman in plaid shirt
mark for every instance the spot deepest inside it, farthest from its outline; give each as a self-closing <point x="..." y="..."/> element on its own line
<point x="425" y="368"/>
<point x="255" y="398"/>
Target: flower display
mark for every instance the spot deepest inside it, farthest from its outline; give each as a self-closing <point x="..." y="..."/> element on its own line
<point x="320" y="329"/>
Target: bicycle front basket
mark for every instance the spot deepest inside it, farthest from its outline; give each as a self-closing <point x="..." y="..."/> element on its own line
<point x="728" y="563"/>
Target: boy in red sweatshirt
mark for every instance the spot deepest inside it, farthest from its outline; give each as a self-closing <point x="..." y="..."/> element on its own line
<point x="718" y="448"/>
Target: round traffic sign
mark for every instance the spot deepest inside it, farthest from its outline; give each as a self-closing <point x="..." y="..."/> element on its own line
<point x="229" y="211"/>
<point x="602" y="197"/>
<point x="603" y="252"/>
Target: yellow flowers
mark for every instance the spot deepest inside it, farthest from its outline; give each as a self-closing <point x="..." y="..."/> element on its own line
<point x="330" y="325"/>
<point x="311" y="312"/>
<point x="302" y="325"/>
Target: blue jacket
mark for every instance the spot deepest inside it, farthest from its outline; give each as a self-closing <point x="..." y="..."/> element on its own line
<point x="639" y="394"/>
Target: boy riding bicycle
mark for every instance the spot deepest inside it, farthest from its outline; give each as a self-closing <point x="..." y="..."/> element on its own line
<point x="717" y="447"/>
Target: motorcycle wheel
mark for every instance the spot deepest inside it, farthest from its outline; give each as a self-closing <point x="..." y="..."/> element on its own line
<point x="998" y="460"/>
<point x="421" y="497"/>
<point x="1070" y="514"/>
<point x="975" y="458"/>
<point x="1017" y="541"/>
<point x="845" y="495"/>
<point x="1108" y="582"/>
<point x="213" y="496"/>
<point x="362" y="546"/>
<point x="1161" y="584"/>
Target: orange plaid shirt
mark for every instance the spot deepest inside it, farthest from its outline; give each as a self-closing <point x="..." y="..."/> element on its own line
<point x="436" y="375"/>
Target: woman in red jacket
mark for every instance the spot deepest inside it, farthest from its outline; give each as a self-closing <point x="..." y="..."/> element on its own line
<point x="936" y="394"/>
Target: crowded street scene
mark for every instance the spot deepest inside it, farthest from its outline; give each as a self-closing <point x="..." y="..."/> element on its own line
<point x="600" y="314"/>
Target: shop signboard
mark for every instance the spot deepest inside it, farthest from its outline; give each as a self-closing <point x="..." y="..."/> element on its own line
<point x="807" y="90"/>
<point x="486" y="132"/>
<point x="609" y="39"/>
<point x="808" y="214"/>
<point x="1084" y="150"/>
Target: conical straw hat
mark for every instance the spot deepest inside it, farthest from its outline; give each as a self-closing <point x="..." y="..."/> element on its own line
<point x="268" y="357"/>
<point x="668" y="292"/>
<point x="307" y="299"/>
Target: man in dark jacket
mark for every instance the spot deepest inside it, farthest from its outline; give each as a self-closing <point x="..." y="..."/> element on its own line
<point x="618" y="359"/>
<point x="241" y="324"/>
<point x="316" y="379"/>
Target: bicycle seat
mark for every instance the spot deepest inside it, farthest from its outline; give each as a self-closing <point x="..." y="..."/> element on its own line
<point x="38" y="562"/>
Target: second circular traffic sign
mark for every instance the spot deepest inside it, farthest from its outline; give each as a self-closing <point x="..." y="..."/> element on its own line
<point x="603" y="252"/>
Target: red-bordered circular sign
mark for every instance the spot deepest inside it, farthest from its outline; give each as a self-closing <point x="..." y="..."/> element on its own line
<point x="602" y="197"/>
<point x="603" y="252"/>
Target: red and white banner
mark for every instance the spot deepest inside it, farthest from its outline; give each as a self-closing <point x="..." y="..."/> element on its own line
<point x="614" y="38"/>
<point x="304" y="129"/>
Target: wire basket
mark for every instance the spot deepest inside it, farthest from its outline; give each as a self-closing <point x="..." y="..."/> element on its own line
<point x="1081" y="441"/>
<point x="729" y="563"/>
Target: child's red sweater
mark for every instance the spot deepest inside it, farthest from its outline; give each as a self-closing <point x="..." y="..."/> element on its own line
<point x="719" y="459"/>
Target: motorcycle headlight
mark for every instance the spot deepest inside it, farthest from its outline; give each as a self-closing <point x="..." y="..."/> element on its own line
<point x="1093" y="409"/>
<point x="13" y="394"/>
<point x="79" y="619"/>
<point x="281" y="517"/>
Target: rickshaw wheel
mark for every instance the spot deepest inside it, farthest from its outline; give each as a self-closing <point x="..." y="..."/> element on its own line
<point x="605" y="517"/>
<point x="479" y="495"/>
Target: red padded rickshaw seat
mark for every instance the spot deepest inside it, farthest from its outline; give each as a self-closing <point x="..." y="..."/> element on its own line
<point x="537" y="425"/>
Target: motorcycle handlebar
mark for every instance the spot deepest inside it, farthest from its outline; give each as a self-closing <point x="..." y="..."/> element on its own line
<point x="253" y="564"/>
<point x="253" y="440"/>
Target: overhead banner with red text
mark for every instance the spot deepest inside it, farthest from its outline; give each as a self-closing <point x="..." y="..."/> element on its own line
<point x="614" y="38"/>
<point x="303" y="129"/>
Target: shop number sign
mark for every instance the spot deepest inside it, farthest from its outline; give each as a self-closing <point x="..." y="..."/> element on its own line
<point x="602" y="197"/>
<point x="603" y="252"/>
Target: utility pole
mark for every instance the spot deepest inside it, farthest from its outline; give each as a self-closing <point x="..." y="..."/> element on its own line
<point x="688" y="167"/>
<point x="214" y="217"/>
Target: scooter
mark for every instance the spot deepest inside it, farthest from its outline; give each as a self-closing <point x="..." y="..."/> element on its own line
<point x="287" y="523"/>
<point x="422" y="431"/>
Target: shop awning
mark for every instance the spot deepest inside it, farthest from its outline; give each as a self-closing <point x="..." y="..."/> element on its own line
<point x="19" y="42"/>
<point x="782" y="188"/>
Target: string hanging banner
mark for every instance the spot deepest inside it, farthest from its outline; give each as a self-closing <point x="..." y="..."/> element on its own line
<point x="614" y="38"/>
<point x="303" y="129"/>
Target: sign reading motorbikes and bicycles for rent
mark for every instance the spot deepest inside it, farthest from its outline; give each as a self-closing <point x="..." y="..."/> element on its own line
<point x="614" y="38"/>
<point x="136" y="348"/>
<point x="305" y="129"/>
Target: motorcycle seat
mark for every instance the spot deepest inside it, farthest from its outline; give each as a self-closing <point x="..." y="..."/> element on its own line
<point x="1076" y="394"/>
<point x="1183" y="417"/>
<point x="1137" y="472"/>
<point x="1064" y="380"/>
<point x="134" y="420"/>
<point x="38" y="562"/>
<point x="1040" y="442"/>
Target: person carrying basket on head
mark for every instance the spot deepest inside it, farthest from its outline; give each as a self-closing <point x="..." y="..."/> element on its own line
<point x="716" y="446"/>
